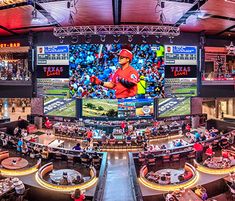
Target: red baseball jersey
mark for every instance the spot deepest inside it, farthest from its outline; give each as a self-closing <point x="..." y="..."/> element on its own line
<point x="129" y="74"/>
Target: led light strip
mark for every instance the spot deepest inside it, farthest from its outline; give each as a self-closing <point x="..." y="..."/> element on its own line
<point x="207" y="170"/>
<point x="154" y="186"/>
<point x="65" y="188"/>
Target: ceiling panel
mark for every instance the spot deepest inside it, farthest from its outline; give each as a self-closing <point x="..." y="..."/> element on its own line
<point x="20" y="17"/>
<point x="90" y="12"/>
<point x="210" y="25"/>
<point x="145" y="12"/>
<point x="219" y="7"/>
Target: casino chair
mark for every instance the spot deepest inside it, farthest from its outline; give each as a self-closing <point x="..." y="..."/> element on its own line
<point x="23" y="197"/>
<point x="166" y="159"/>
<point x="96" y="162"/>
<point x="191" y="155"/>
<point x="11" y="196"/>
<point x="175" y="158"/>
<point x="151" y="161"/>
<point x="70" y="160"/>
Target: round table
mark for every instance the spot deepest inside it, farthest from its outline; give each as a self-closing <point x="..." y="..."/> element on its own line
<point x="174" y="174"/>
<point x="19" y="163"/>
<point x="57" y="175"/>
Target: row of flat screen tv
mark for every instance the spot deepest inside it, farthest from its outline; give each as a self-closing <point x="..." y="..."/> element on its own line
<point x="127" y="108"/>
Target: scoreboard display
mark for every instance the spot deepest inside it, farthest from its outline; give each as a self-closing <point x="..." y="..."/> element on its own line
<point x="180" y="55"/>
<point x="53" y="55"/>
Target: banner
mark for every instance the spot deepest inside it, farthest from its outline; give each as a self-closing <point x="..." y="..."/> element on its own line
<point x="52" y="71"/>
<point x="181" y="71"/>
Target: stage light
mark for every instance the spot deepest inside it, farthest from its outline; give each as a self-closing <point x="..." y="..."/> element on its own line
<point x="130" y="38"/>
<point x="144" y="38"/>
<point x="74" y="39"/>
<point x="102" y="38"/>
<point x="61" y="39"/>
<point x="157" y="39"/>
<point x="87" y="38"/>
<point x="116" y="38"/>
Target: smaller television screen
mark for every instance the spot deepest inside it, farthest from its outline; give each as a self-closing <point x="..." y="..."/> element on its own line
<point x="135" y="107"/>
<point x="57" y="106"/>
<point x="53" y="87"/>
<point x="174" y="106"/>
<point x="177" y="87"/>
<point x="99" y="107"/>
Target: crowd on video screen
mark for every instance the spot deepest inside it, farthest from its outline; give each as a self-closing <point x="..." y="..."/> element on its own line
<point x="102" y="61"/>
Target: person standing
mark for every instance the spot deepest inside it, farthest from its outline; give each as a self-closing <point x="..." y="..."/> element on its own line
<point x="198" y="147"/>
<point x="13" y="107"/>
<point x="124" y="80"/>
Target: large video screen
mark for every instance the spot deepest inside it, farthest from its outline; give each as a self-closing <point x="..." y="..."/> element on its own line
<point x="99" y="107"/>
<point x="143" y="80"/>
<point x="59" y="106"/>
<point x="174" y="106"/>
<point x="135" y="107"/>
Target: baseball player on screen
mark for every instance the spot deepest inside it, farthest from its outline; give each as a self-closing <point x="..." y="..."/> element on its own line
<point x="124" y="80"/>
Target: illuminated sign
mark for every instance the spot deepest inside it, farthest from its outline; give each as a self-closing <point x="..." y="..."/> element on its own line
<point x="53" y="55"/>
<point x="181" y="71"/>
<point x="180" y="55"/>
<point x="52" y="71"/>
<point x="2" y="45"/>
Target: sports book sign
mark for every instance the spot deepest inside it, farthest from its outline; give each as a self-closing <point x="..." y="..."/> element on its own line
<point x="52" y="71"/>
<point x="181" y="71"/>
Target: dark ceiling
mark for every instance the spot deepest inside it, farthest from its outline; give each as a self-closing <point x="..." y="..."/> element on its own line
<point x="215" y="17"/>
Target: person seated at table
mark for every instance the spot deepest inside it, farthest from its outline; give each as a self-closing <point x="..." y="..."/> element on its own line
<point x="223" y="142"/>
<point x="202" y="136"/>
<point x="164" y="180"/>
<point x="188" y="127"/>
<point x="187" y="175"/>
<point x="163" y="146"/>
<point x="19" y="145"/>
<point x="225" y="153"/>
<point x="25" y="149"/>
<point x="197" y="136"/>
<point x="151" y="176"/>
<point x="77" y="147"/>
<point x="19" y="186"/>
<point x="78" y="195"/>
<point x="209" y="152"/>
<point x="64" y="180"/>
<point x="85" y="155"/>
<point x="179" y="143"/>
<point x="45" y="153"/>
<point x="79" y="179"/>
<point x="139" y="139"/>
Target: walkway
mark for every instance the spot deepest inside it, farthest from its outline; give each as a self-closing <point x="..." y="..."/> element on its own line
<point x="118" y="187"/>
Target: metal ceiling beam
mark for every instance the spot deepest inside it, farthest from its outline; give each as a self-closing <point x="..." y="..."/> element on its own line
<point x="8" y="30"/>
<point x="117" y="10"/>
<point x="116" y="30"/>
<point x="228" y="29"/>
<point x="197" y="4"/>
<point x="14" y="5"/>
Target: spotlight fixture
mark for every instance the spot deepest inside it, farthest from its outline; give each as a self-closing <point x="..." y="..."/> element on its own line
<point x="61" y="39"/>
<point x="144" y="38"/>
<point x="74" y="39"/>
<point x="171" y="39"/>
<point x="87" y="38"/>
<point x="102" y="38"/>
<point x="130" y="38"/>
<point x="116" y="38"/>
<point x="157" y="39"/>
